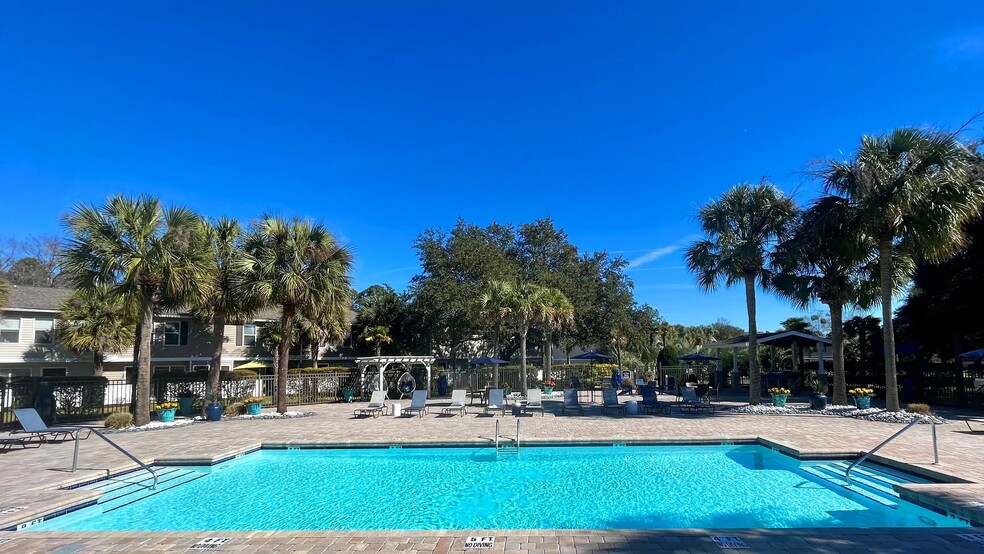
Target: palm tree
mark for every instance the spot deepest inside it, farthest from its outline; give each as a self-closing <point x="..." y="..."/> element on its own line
<point x="151" y="256"/>
<point x="828" y="259"/>
<point x="378" y="335"/>
<point x="323" y="323"/>
<point x="96" y="320"/>
<point x="741" y="228"/>
<point x="914" y="190"/>
<point x="531" y="305"/>
<point x="295" y="264"/>
<point x="270" y="336"/>
<point x="225" y="300"/>
<point x="558" y="313"/>
<point x="495" y="306"/>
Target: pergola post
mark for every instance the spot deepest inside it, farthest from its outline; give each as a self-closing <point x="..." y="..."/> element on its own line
<point x="719" y="373"/>
<point x="821" y="370"/>
<point x="735" y="376"/>
<point x="428" y="366"/>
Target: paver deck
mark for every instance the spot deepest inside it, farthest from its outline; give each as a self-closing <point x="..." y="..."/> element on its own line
<point x="31" y="479"/>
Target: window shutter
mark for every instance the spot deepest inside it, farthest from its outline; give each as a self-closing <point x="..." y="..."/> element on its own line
<point x="239" y="335"/>
<point x="184" y="333"/>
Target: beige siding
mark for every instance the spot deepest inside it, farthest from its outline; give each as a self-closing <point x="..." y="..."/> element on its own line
<point x="26" y="351"/>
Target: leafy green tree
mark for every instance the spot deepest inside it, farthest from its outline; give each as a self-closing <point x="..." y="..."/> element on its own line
<point x="295" y="263"/>
<point x="325" y="323"/>
<point x="149" y="255"/>
<point x="96" y="320"/>
<point x="225" y="299"/>
<point x="377" y="336"/>
<point x="829" y="259"/>
<point x="914" y="190"/>
<point x="741" y="228"/>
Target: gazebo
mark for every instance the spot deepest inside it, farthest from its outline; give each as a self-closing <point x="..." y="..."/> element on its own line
<point x="383" y="362"/>
<point x="782" y="339"/>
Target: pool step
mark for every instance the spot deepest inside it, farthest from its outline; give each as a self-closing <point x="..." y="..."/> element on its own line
<point x="131" y="487"/>
<point x="873" y="483"/>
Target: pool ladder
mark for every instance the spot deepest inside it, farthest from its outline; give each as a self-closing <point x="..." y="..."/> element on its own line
<point x="919" y="419"/>
<point x="506" y="443"/>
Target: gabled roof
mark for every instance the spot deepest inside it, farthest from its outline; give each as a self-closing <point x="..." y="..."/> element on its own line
<point x="47" y="299"/>
<point x="779" y="338"/>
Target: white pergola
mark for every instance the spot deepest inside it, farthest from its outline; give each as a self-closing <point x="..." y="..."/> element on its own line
<point x="781" y="339"/>
<point x="382" y="362"/>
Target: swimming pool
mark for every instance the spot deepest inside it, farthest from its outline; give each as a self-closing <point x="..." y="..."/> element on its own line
<point x="576" y="487"/>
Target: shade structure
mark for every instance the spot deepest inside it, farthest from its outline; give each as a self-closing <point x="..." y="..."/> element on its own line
<point x="591" y="356"/>
<point x="973" y="354"/>
<point x="485" y="360"/>
<point x="254" y="364"/>
<point x="698" y="357"/>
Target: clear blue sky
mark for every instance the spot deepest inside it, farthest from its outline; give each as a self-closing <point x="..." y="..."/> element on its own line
<point x="617" y="119"/>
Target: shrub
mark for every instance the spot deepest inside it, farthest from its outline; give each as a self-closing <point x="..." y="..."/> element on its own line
<point x="119" y="420"/>
<point x="235" y="409"/>
<point x="919" y="409"/>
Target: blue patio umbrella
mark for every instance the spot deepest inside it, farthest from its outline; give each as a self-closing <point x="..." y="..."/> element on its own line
<point x="485" y="360"/>
<point x="697" y="357"/>
<point x="591" y="356"/>
<point x="973" y="354"/>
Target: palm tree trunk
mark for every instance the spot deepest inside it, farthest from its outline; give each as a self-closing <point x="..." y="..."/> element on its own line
<point x="754" y="377"/>
<point x="522" y="356"/>
<point x="891" y="379"/>
<point x="283" y="359"/>
<point x="141" y="414"/>
<point x="315" y="352"/>
<point x="379" y="348"/>
<point x="547" y="355"/>
<point x="97" y="363"/>
<point x="837" y="337"/>
<point x="218" y="335"/>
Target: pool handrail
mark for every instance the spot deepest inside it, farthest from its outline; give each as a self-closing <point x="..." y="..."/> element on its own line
<point x="917" y="420"/>
<point x="75" y="457"/>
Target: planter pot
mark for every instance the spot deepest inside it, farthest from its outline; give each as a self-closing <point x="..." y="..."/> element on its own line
<point x="547" y="389"/>
<point x="187" y="405"/>
<point x="442" y="385"/>
<point x="862" y="402"/>
<point x="213" y="412"/>
<point x="779" y="400"/>
<point x="254" y="408"/>
<point x="507" y="391"/>
<point x="347" y="394"/>
<point x="166" y="415"/>
<point x="818" y="402"/>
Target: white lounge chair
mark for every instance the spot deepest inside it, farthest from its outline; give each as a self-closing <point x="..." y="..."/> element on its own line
<point x="418" y="404"/>
<point x="692" y="403"/>
<point x="376" y="407"/>
<point x="32" y="423"/>
<point x="497" y="401"/>
<point x="534" y="401"/>
<point x="609" y="398"/>
<point x="457" y="402"/>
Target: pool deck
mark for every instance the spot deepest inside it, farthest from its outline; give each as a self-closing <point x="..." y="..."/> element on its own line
<point x="31" y="479"/>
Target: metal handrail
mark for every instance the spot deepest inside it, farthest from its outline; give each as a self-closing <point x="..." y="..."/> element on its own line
<point x="75" y="458"/>
<point x="936" y="454"/>
<point x="498" y="436"/>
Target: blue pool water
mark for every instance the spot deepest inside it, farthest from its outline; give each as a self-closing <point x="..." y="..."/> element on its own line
<point x="470" y="488"/>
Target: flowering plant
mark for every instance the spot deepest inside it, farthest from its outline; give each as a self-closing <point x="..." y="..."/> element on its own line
<point x="166" y="406"/>
<point x="779" y="390"/>
<point x="505" y="384"/>
<point x="253" y="400"/>
<point x="860" y="391"/>
<point x="550" y="383"/>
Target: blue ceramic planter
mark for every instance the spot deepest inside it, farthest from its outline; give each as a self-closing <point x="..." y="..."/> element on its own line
<point x="187" y="405"/>
<point x="213" y="412"/>
<point x="254" y="408"/>
<point x="166" y="415"/>
<point x="779" y="400"/>
<point x="863" y="402"/>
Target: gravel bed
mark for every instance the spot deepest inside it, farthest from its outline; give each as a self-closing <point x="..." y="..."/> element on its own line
<point x="870" y="414"/>
<point x="274" y="415"/>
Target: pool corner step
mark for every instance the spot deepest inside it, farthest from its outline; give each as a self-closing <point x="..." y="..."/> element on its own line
<point x="859" y="485"/>
<point x="138" y="487"/>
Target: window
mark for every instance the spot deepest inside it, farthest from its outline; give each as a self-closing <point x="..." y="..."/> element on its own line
<point x="9" y="329"/>
<point x="249" y="335"/>
<point x="44" y="331"/>
<point x="175" y="333"/>
<point x="54" y="372"/>
<point x="169" y="369"/>
<point x="14" y="373"/>
<point x="200" y="368"/>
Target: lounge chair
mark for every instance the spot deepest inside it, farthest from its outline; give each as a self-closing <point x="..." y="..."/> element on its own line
<point x="979" y="421"/>
<point x="23" y="440"/>
<point x="32" y="423"/>
<point x="571" y="402"/>
<point x="376" y="407"/>
<point x="534" y="401"/>
<point x="497" y="401"/>
<point x="457" y="402"/>
<point x="418" y="404"/>
<point x="691" y="403"/>
<point x="610" y="401"/>
<point x="650" y="404"/>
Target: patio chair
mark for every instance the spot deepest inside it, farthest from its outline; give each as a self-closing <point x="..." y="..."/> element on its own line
<point x="610" y="401"/>
<point x="571" y="402"/>
<point x="418" y="404"/>
<point x="650" y="404"/>
<point x="7" y="442"/>
<point x="32" y="423"/>
<point x="534" y="401"/>
<point x="691" y="403"/>
<point x="497" y="402"/>
<point x="702" y="391"/>
<point x="376" y="406"/>
<point x="457" y="402"/>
